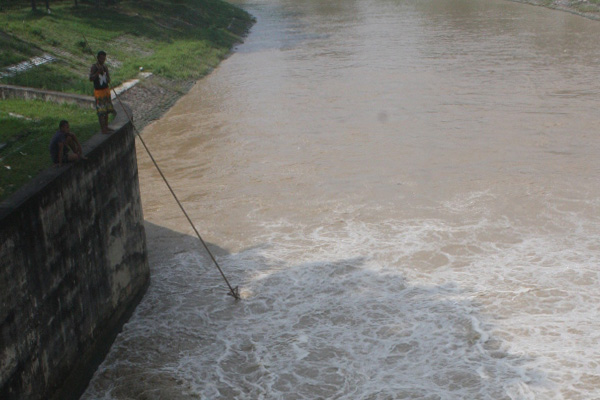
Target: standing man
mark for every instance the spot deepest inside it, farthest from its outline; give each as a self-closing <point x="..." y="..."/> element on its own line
<point x="62" y="140"/>
<point x="101" y="78"/>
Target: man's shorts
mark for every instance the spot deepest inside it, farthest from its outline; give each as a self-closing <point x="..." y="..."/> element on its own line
<point x="103" y="102"/>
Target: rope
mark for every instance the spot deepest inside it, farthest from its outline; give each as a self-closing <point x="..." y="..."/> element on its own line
<point x="234" y="292"/>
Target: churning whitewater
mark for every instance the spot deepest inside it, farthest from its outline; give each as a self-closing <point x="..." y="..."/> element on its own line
<point x="406" y="194"/>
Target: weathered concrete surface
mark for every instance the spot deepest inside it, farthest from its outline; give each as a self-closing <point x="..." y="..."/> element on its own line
<point x="73" y="264"/>
<point x="20" y="92"/>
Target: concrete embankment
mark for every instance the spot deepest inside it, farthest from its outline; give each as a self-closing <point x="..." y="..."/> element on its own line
<point x="26" y="93"/>
<point x="73" y="265"/>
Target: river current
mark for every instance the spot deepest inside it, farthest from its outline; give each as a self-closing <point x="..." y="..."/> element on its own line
<point x="406" y="193"/>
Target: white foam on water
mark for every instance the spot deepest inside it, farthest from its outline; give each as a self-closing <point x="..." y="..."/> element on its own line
<point x="479" y="279"/>
<point x="400" y="309"/>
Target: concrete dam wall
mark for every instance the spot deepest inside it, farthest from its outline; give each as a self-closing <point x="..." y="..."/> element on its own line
<point x="73" y="266"/>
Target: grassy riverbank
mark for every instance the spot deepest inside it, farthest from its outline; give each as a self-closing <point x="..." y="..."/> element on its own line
<point x="27" y="127"/>
<point x="179" y="41"/>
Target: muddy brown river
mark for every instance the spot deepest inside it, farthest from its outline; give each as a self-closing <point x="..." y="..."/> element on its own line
<point x="406" y="193"/>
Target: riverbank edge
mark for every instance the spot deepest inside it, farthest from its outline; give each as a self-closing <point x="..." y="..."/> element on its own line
<point x="152" y="97"/>
<point x="568" y="6"/>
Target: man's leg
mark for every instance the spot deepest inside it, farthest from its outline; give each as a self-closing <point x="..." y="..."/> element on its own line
<point x="108" y="130"/>
<point x="106" y="124"/>
<point x="103" y="119"/>
<point x="73" y="157"/>
<point x="74" y="145"/>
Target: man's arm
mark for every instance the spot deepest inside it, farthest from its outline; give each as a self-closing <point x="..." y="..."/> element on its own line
<point x="94" y="72"/>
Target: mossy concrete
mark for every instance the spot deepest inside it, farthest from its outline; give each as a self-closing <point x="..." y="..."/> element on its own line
<point x="73" y="265"/>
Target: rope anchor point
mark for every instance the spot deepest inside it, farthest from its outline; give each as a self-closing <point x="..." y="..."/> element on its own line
<point x="235" y="293"/>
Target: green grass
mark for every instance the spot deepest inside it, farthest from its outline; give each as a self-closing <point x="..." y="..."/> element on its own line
<point x="177" y="39"/>
<point x="183" y="59"/>
<point x="181" y="40"/>
<point x="13" y="50"/>
<point x="585" y="8"/>
<point x="26" y="137"/>
<point x="55" y="76"/>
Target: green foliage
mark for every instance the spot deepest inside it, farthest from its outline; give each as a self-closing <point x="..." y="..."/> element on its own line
<point x="25" y="133"/>
<point x="13" y="50"/>
<point x="178" y="39"/>
<point x="181" y="39"/>
<point x="85" y="48"/>
<point x="592" y="6"/>
<point x="184" y="59"/>
<point x="37" y="32"/>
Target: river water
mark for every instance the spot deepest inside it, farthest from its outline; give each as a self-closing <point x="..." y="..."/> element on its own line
<point x="406" y="193"/>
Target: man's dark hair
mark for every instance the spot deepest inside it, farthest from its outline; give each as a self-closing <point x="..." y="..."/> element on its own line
<point x="62" y="123"/>
<point x="101" y="53"/>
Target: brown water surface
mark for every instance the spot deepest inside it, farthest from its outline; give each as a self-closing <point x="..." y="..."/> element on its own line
<point x="407" y="194"/>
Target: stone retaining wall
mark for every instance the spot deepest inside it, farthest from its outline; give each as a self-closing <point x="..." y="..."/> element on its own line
<point x="73" y="265"/>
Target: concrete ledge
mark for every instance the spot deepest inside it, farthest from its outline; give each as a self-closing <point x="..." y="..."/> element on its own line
<point x="27" y="93"/>
<point x="20" y="92"/>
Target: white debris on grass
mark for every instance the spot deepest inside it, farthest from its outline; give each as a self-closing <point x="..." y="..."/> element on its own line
<point x="26" y="65"/>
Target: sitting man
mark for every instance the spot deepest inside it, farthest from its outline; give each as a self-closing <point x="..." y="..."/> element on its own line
<point x="61" y="142"/>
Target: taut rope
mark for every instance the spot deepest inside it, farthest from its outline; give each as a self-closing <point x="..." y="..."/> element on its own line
<point x="234" y="292"/>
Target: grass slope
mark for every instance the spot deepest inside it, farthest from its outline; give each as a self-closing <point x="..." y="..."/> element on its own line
<point x="27" y="127"/>
<point x="177" y="39"/>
